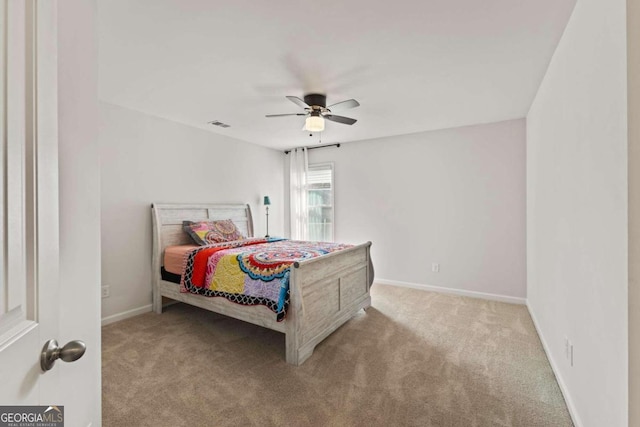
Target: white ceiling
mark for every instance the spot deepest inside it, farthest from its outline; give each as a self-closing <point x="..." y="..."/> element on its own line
<point x="413" y="65"/>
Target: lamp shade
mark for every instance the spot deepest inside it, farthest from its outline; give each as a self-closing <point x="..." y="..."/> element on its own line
<point x="267" y="201"/>
<point x="314" y="124"/>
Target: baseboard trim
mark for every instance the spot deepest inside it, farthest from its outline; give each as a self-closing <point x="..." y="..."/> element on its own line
<point x="461" y="292"/>
<point x="554" y="367"/>
<point x="126" y="314"/>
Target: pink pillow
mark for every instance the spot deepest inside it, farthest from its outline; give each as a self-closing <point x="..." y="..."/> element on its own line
<point x="208" y="232"/>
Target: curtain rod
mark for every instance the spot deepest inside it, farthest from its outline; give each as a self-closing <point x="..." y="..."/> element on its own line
<point x="318" y="146"/>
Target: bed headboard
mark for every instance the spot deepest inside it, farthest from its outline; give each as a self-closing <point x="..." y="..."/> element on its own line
<point x="167" y="222"/>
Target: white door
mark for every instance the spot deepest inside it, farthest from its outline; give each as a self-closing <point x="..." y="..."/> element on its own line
<point x="29" y="256"/>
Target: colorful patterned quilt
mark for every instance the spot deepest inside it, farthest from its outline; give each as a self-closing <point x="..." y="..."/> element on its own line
<point x="249" y="272"/>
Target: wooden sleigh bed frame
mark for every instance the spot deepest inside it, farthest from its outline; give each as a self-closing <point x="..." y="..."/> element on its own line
<point x="325" y="291"/>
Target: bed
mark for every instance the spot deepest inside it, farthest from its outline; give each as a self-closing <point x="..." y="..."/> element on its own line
<point x="324" y="292"/>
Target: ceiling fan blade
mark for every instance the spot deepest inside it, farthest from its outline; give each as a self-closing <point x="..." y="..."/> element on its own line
<point x="340" y="119"/>
<point x="299" y="102"/>
<point x="349" y="103"/>
<point x="282" y="115"/>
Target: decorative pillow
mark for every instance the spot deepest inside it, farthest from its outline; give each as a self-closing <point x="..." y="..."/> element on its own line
<point x="207" y="232"/>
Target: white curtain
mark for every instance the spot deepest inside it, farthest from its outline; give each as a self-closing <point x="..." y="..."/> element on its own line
<point x="298" y="166"/>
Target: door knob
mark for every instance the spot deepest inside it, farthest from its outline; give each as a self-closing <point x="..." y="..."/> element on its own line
<point x="72" y="351"/>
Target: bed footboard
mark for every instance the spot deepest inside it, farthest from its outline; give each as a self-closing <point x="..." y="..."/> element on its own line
<point x="325" y="292"/>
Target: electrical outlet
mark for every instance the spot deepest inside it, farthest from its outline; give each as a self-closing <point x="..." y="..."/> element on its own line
<point x="435" y="267"/>
<point x="571" y="354"/>
<point x="105" y="292"/>
<point x="568" y="350"/>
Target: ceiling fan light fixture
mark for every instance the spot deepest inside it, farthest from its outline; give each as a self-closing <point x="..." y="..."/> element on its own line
<point x="314" y="123"/>
<point x="316" y="112"/>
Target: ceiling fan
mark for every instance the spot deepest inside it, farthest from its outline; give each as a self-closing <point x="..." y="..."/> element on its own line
<point x="316" y="110"/>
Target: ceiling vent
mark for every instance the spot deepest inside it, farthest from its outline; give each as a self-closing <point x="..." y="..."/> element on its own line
<point x="219" y="124"/>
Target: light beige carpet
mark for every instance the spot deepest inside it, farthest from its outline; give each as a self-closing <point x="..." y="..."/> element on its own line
<point x="415" y="358"/>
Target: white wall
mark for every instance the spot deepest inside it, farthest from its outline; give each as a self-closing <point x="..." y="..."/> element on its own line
<point x="577" y="212"/>
<point x="633" y="74"/>
<point x="79" y="209"/>
<point x="454" y="197"/>
<point x="146" y="159"/>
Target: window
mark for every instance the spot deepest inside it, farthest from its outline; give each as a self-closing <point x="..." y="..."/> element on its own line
<point x="320" y="202"/>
